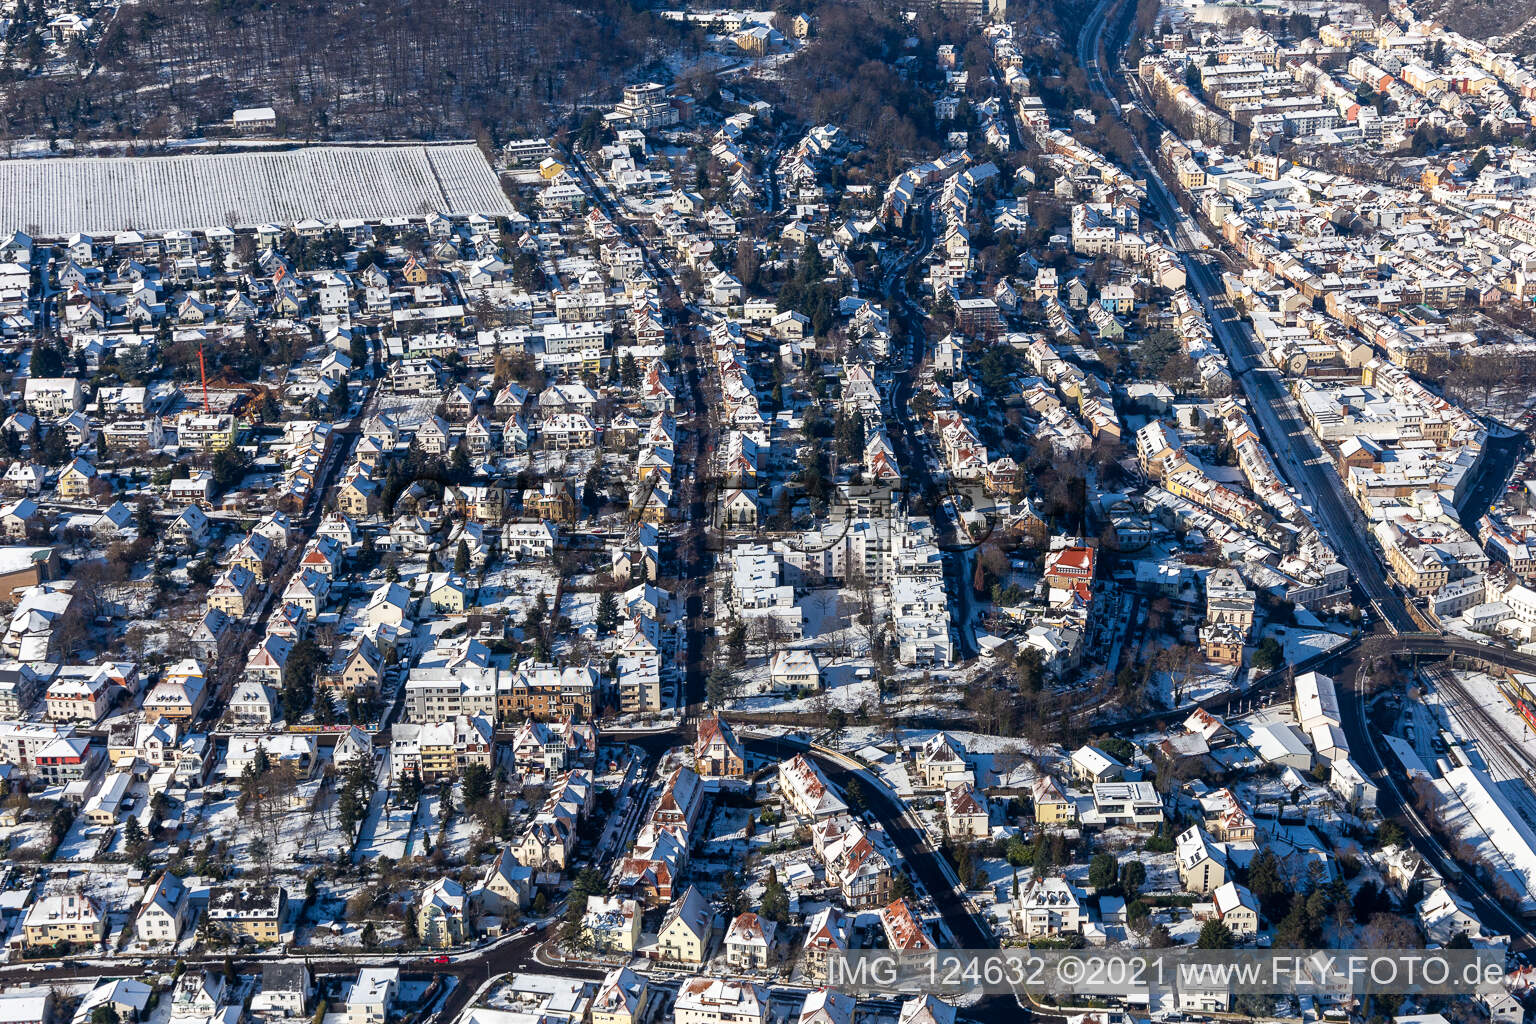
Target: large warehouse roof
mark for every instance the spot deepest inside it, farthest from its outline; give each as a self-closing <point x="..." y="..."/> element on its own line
<point x="54" y="198"/>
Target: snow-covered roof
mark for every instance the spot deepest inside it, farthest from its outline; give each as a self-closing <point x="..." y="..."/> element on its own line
<point x="163" y="193"/>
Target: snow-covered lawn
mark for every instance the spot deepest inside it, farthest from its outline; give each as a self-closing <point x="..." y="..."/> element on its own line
<point x="511" y="591"/>
<point x="843" y="688"/>
<point x="386" y="832"/>
<point x="409" y="411"/>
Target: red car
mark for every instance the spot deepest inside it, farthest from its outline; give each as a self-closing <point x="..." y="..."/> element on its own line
<point x="441" y="960"/>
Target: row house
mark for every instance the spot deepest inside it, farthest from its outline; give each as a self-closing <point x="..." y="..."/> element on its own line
<point x="439" y="750"/>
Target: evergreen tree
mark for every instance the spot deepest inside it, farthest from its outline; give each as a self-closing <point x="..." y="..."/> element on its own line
<point x="1215" y="935"/>
<point x="350" y="810"/>
<point x="409" y="936"/>
<point x="607" y="612"/>
<point x="1103" y="871"/>
<point x="325" y="705"/>
<point x="965" y="868"/>
<point x="409" y="788"/>
<point x="1133" y="875"/>
<point x="736" y="640"/>
<point x="1267" y="884"/>
<point x="775" y="905"/>
<point x="1292" y="931"/>
<point x="477" y="784"/>
<point x="731" y="896"/>
<point x="717" y="686"/>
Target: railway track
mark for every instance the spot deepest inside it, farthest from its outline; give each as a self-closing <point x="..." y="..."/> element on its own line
<point x="1504" y="754"/>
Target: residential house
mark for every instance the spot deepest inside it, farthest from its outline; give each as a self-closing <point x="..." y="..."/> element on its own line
<point x="80" y="697"/>
<point x="925" y="1009"/>
<point x="128" y="997"/>
<point x="1090" y="764"/>
<point x="286" y="989"/>
<point x="1052" y="805"/>
<point x="442" y="916"/>
<point x="200" y="995"/>
<point x="1238" y="909"/>
<point x="621" y="998"/>
<point x="253" y="704"/>
<point x="372" y="995"/>
<point x="806" y="791"/>
<point x="246" y="912"/>
<point x="941" y="757"/>
<point x="904" y="931"/>
<point x="553" y="747"/>
<point x="611" y="924"/>
<point x="965" y="813"/>
<point x="180" y="694"/>
<point x="507" y="887"/>
<point x="749" y="942"/>
<point x="1048" y="907"/>
<point x="794" y="670"/>
<point x="720" y="1001"/>
<point x="686" y="930"/>
<point x="1202" y="866"/>
<point x="716" y="752"/>
<point x="72" y="918"/>
<point x="827" y="934"/>
<point x="163" y="914"/>
<point x="76" y="481"/>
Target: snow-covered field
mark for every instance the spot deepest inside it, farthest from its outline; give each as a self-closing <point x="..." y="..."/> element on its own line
<point x="102" y="195"/>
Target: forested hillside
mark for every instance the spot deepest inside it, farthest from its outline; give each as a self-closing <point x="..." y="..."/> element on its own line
<point x="1513" y="23"/>
<point x="344" y="68"/>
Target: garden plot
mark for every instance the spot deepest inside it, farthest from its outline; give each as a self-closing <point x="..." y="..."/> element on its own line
<point x="848" y="685"/>
<point x="389" y="831"/>
<point x="409" y="411"/>
<point x="1300" y="644"/>
<point x="727" y="839"/>
<point x="321" y="836"/>
<point x="463" y="831"/>
<point x="108" y="885"/>
<point x="423" y="837"/>
<point x="580" y="607"/>
<point x="84" y="842"/>
<point x="30" y="836"/>
<point x="512" y="591"/>
<point x="1208" y="680"/>
<point x="288" y="836"/>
